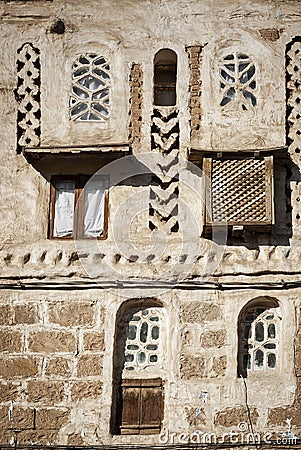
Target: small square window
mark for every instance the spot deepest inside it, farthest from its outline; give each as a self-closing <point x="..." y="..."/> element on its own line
<point x="78" y="207"/>
<point x="239" y="191"/>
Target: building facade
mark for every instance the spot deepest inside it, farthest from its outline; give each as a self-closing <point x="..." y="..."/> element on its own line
<point x="150" y="222"/>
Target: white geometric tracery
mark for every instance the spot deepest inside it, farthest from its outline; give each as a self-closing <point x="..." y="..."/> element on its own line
<point x="237" y="80"/>
<point x="259" y="338"/>
<point x="90" y="92"/>
<point x="143" y="340"/>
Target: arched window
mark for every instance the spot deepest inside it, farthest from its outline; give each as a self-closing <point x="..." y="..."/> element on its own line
<point x="138" y="370"/>
<point x="165" y="78"/>
<point x="238" y="80"/>
<point x="90" y="91"/>
<point x="143" y="346"/>
<point x="258" y="336"/>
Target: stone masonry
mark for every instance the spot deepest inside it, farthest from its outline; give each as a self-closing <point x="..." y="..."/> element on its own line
<point x="65" y="302"/>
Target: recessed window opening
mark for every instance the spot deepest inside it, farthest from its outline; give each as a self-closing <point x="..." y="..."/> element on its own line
<point x="90" y="91"/>
<point x="165" y="78"/>
<point x="259" y="329"/>
<point x="138" y="384"/>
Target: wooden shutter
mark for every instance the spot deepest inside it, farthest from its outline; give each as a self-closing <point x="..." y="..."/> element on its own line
<point x="142" y="406"/>
<point x="239" y="191"/>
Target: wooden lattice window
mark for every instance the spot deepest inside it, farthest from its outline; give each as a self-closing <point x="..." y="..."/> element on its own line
<point x="239" y="191"/>
<point x="142" y="406"/>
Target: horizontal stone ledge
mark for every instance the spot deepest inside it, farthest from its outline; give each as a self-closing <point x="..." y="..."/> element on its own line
<point x="149" y="284"/>
<point x="106" y="147"/>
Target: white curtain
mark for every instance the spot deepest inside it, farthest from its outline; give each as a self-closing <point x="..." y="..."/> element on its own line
<point x="64" y="209"/>
<point x="94" y="207"/>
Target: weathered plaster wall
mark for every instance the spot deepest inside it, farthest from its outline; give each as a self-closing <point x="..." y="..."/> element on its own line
<point x="56" y="345"/>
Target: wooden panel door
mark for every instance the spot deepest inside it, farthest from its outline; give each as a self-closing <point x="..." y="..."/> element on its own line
<point x="142" y="406"/>
<point x="151" y="409"/>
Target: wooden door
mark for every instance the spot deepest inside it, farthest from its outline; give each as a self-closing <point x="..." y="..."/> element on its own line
<point x="142" y="406"/>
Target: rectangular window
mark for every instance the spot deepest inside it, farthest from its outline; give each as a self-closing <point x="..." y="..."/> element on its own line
<point x="142" y="406"/>
<point x="79" y="207"/>
<point x="239" y="191"/>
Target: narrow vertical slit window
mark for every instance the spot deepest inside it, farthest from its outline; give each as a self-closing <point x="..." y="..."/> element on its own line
<point x="165" y="78"/>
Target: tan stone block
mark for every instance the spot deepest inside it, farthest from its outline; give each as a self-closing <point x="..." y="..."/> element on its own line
<point x="199" y="312"/>
<point x="213" y="338"/>
<point x="27" y="314"/>
<point x="10" y="341"/>
<point x="75" y="439"/>
<point x="21" y="418"/>
<point x="196" y="111"/>
<point x="298" y="390"/>
<point x="16" y="366"/>
<point x="195" y="416"/>
<point x="51" y="341"/>
<point x="71" y="314"/>
<point x="231" y="417"/>
<point x="46" y="392"/>
<point x="58" y="367"/>
<point x="38" y="437"/>
<point x="278" y="416"/>
<point x="51" y="418"/>
<point x="82" y="390"/>
<point x="219" y="366"/>
<point x="270" y="34"/>
<point x="194" y="50"/>
<point x="6" y="436"/>
<point x="94" y="341"/>
<point x="9" y="391"/>
<point x="192" y="366"/>
<point x="89" y="365"/>
<point x="6" y="315"/>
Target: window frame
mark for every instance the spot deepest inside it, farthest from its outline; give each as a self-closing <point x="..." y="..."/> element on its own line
<point x="78" y="212"/>
<point x="270" y="308"/>
<point x="166" y="60"/>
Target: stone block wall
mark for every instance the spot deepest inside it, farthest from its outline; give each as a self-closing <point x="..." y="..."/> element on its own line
<point x="57" y="369"/>
<point x="51" y="360"/>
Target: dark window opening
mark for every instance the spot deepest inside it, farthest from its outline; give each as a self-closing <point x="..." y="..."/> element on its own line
<point x="165" y="78"/>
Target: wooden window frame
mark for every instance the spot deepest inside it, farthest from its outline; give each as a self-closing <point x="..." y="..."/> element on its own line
<point x="78" y="219"/>
<point x="134" y="418"/>
<point x="209" y="224"/>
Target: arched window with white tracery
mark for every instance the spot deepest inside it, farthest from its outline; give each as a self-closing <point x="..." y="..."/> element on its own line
<point x="139" y="361"/>
<point x="238" y="81"/>
<point x="90" y="90"/>
<point x="259" y="337"/>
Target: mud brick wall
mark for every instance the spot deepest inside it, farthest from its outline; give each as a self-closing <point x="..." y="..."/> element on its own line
<point x="136" y="100"/>
<point x="195" y="89"/>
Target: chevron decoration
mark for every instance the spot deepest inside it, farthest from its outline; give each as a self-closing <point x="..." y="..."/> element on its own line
<point x="164" y="190"/>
